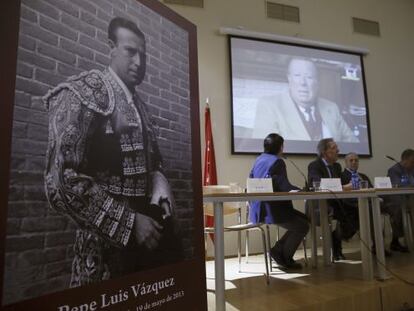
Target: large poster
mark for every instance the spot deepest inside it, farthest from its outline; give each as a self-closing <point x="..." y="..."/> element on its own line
<point x="100" y="158"/>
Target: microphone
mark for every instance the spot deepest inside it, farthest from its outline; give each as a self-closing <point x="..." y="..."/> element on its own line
<point x="391" y="158"/>
<point x="299" y="170"/>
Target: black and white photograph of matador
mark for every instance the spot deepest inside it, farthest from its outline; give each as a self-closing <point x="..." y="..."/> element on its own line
<point x="115" y="173"/>
<point x="104" y="168"/>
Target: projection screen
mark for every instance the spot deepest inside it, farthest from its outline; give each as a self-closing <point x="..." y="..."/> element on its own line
<point x="300" y="92"/>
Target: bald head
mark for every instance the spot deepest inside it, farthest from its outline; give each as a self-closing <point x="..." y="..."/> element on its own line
<point x="352" y="161"/>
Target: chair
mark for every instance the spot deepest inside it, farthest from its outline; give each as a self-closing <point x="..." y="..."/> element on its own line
<point x="268" y="246"/>
<point x="233" y="208"/>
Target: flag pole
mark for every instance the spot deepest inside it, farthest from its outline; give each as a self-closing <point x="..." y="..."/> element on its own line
<point x="210" y="172"/>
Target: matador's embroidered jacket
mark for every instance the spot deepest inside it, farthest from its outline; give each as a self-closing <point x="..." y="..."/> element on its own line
<point x="101" y="151"/>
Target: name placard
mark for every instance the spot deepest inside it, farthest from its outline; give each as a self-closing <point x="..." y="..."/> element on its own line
<point x="257" y="185"/>
<point x="382" y="182"/>
<point x="331" y="184"/>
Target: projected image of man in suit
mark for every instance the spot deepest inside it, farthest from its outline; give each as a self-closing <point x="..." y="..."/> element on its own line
<point x="300" y="113"/>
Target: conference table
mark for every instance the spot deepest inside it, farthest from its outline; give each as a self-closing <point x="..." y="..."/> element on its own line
<point x="321" y="197"/>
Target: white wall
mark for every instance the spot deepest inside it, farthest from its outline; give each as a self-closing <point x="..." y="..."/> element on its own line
<point x="389" y="70"/>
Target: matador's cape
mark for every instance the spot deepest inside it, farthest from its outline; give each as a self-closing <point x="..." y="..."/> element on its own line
<point x="101" y="150"/>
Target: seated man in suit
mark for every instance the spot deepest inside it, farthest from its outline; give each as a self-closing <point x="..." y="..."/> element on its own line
<point x="326" y="166"/>
<point x="300" y="113"/>
<point x="401" y="173"/>
<point x="271" y="165"/>
<point x="351" y="167"/>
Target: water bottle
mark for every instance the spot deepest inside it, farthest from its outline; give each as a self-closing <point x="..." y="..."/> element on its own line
<point x="355" y="180"/>
<point x="404" y="180"/>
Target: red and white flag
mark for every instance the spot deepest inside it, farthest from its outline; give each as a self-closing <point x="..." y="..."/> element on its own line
<point x="210" y="173"/>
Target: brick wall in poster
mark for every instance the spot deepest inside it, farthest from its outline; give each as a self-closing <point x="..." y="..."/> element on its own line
<point x="57" y="39"/>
